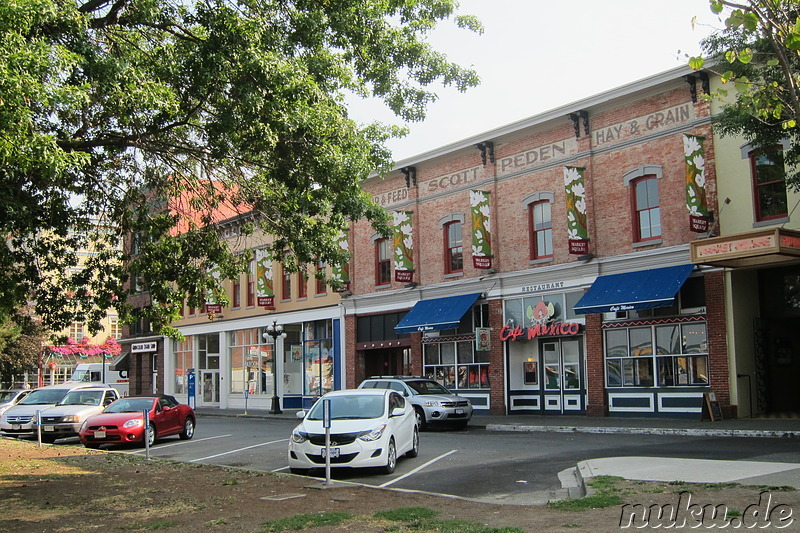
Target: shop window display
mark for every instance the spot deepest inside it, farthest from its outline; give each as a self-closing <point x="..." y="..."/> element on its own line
<point x="665" y="355"/>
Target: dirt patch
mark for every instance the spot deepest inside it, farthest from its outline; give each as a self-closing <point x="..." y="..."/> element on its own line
<point x="62" y="488"/>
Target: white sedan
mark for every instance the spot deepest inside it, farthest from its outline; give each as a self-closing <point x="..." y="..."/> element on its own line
<point x="368" y="428"/>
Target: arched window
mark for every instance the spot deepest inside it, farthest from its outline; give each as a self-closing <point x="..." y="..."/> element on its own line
<point x="647" y="209"/>
<point x="453" y="248"/>
<point x="383" y="261"/>
<point x="540" y="224"/>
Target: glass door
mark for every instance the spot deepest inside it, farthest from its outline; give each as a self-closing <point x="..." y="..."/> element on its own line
<point x="564" y="388"/>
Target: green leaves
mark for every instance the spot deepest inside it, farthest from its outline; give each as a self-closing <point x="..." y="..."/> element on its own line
<point x="174" y="120"/>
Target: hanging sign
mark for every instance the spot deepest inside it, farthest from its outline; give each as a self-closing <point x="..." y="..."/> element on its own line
<point x="481" y="229"/>
<point x="403" y="242"/>
<point x="578" y="233"/>
<point x="696" y="200"/>
<point x="265" y="284"/>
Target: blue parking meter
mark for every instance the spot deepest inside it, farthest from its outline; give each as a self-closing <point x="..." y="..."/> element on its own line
<point x="190" y="387"/>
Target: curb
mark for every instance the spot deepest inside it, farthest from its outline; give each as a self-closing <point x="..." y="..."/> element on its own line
<point x="647" y="431"/>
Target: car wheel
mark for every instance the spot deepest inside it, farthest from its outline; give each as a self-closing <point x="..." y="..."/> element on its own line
<point x="391" y="457"/>
<point x="414" y="451"/>
<point x="188" y="429"/>
<point x="150" y="434"/>
<point x="421" y="422"/>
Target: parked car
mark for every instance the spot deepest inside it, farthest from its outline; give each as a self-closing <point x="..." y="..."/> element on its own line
<point x="432" y="402"/>
<point x="18" y="421"/>
<point x="368" y="428"/>
<point x="122" y="422"/>
<point x="66" y="417"/>
<point x="11" y="397"/>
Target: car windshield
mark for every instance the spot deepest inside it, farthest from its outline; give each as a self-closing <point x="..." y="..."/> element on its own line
<point x="7" y="395"/>
<point x="44" y="397"/>
<point x="427" y="387"/>
<point x="353" y="407"/>
<point x="130" y="405"/>
<point x="82" y="397"/>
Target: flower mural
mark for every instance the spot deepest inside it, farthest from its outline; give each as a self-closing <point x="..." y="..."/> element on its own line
<point x="481" y="229"/>
<point x="577" y="230"/>
<point x="264" y="279"/>
<point x="696" y="200"/>
<point x="403" y="245"/>
<point x="339" y="273"/>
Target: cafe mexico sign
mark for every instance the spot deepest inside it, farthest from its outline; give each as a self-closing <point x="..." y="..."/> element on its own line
<point x="542" y="327"/>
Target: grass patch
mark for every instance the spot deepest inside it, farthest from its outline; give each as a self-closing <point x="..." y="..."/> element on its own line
<point x="776" y="488"/>
<point x="606" y="494"/>
<point x="406" y="514"/>
<point x="305" y="521"/>
<point x="424" y="519"/>
<point x="150" y="526"/>
<point x="230" y="482"/>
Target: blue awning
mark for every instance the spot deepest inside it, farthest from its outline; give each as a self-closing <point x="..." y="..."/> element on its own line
<point x="436" y="314"/>
<point x="643" y="289"/>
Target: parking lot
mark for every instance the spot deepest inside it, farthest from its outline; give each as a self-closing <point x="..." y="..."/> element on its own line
<point x="472" y="463"/>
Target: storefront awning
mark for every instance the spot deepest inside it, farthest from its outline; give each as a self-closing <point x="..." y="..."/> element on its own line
<point x="436" y="314"/>
<point x="120" y="363"/>
<point x="643" y="289"/>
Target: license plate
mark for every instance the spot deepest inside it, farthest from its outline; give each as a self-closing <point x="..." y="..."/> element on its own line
<point x="334" y="452"/>
<point x="15" y="426"/>
<point x="48" y="428"/>
<point x="459" y="411"/>
<point x="99" y="434"/>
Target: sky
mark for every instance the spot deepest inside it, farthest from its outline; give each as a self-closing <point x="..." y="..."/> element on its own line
<point x="537" y="55"/>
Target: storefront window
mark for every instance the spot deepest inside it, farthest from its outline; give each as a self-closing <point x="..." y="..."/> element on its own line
<point x="293" y="371"/>
<point x="251" y="362"/>
<point x="183" y="362"/>
<point x="456" y="364"/>
<point x="677" y="352"/>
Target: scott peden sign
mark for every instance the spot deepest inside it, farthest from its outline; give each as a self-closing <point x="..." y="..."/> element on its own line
<point x="538" y="156"/>
<point x="448" y="181"/>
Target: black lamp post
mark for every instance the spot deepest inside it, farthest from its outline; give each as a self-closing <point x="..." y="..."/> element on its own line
<point x="275" y="330"/>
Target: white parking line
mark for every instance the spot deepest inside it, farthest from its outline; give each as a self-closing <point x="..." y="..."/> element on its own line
<point x="420" y="467"/>
<point x="178" y="443"/>
<point x="239" y="450"/>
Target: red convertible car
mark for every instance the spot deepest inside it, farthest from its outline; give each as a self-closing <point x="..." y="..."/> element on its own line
<point x="122" y="422"/>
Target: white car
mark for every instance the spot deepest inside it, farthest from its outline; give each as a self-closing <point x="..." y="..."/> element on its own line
<point x="19" y="420"/>
<point x="11" y="397"/>
<point x="66" y="417"/>
<point x="368" y="428"/>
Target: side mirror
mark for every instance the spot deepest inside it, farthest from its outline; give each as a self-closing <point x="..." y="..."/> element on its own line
<point x="398" y="411"/>
<point x="300" y="414"/>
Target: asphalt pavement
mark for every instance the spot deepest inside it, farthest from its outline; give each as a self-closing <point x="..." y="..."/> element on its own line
<point x="635" y="468"/>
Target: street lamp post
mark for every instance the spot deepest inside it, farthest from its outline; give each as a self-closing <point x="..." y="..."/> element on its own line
<point x="274" y="331"/>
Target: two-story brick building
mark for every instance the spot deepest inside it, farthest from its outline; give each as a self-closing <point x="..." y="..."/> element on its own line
<point x="571" y="262"/>
<point x="543" y="267"/>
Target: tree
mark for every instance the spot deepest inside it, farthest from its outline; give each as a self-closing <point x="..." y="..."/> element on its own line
<point x="758" y="52"/>
<point x="153" y="117"/>
<point x="21" y="341"/>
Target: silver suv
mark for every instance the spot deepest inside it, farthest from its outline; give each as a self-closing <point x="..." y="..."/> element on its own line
<point x="432" y="401"/>
<point x="18" y="421"/>
<point x="65" y="418"/>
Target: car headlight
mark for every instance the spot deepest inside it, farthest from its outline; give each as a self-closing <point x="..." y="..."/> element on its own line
<point x="133" y="423"/>
<point x="374" y="434"/>
<point x="71" y="418"/>
<point x="298" y="437"/>
<point x="83" y="426"/>
<point x="431" y="403"/>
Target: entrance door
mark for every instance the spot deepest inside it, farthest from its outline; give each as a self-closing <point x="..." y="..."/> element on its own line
<point x="209" y="387"/>
<point x="562" y="368"/>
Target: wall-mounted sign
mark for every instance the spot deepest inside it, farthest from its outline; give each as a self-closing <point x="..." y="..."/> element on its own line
<point x="144" y="347"/>
<point x="513" y="333"/>
<point x="483" y="339"/>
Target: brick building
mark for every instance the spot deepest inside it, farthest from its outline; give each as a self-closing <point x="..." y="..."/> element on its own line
<point x="543" y="267"/>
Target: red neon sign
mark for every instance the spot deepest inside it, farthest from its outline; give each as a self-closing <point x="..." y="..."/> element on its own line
<point x="507" y="333"/>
